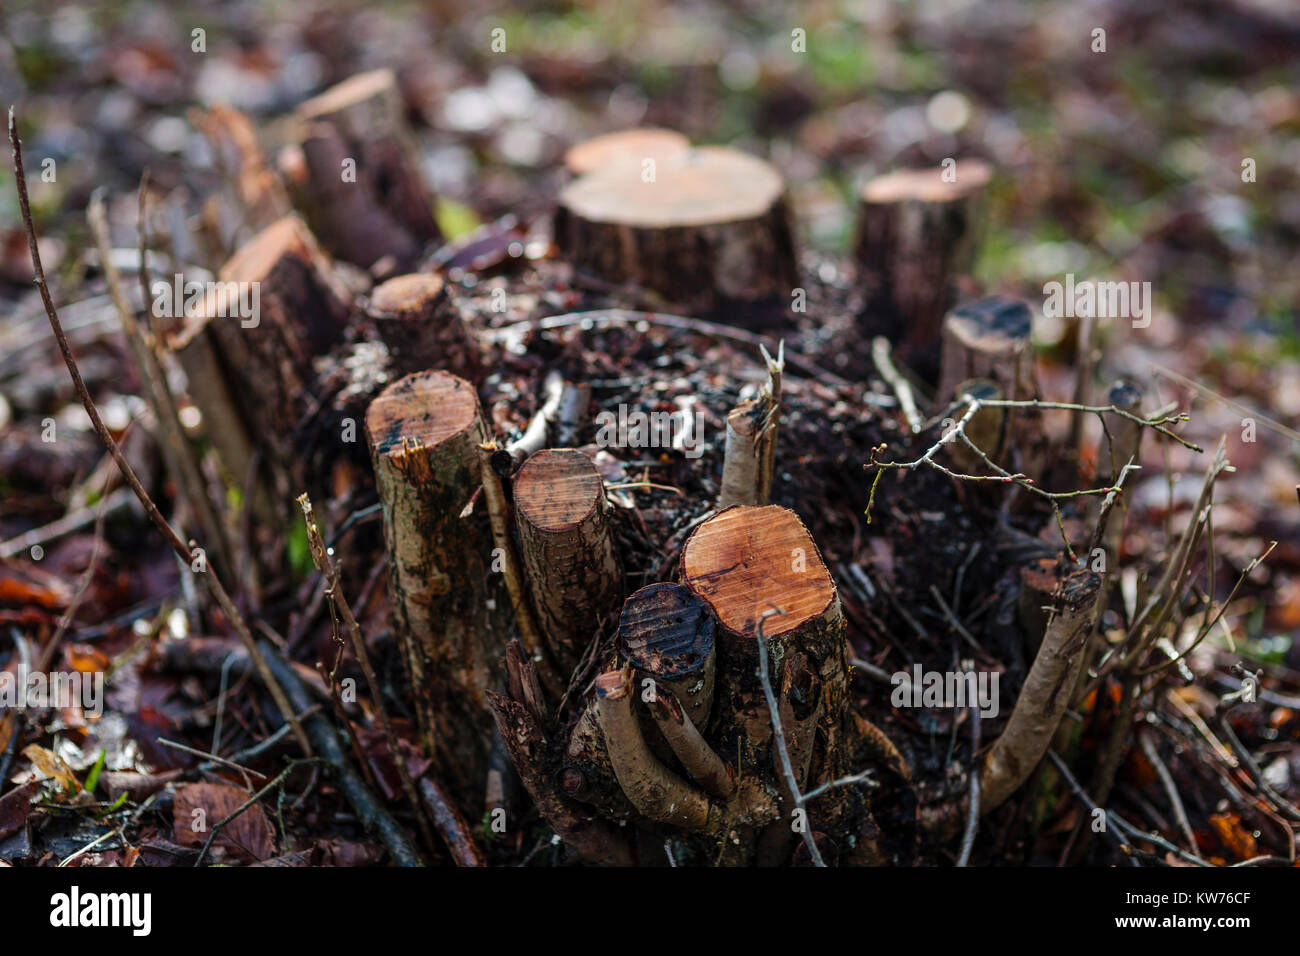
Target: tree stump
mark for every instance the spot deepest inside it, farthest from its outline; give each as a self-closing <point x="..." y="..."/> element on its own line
<point x="418" y="321"/>
<point x="655" y="752"/>
<point x="629" y="144"/>
<point x="703" y="229"/>
<point x="451" y="613"/>
<point x="567" y="550"/>
<point x="360" y="181"/>
<point x="266" y="360"/>
<point x="988" y="339"/>
<point x="915" y="235"/>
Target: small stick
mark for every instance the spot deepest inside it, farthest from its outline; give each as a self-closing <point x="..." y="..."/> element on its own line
<point x="325" y="564"/>
<point x="902" y="388"/>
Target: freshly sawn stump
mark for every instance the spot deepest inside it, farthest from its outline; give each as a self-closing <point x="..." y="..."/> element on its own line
<point x="567" y="549"/>
<point x="701" y="229"/>
<point x="451" y="613"/>
<point x="915" y="235"/>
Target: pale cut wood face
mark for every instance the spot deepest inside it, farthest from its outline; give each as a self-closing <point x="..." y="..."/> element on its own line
<point x="557" y="488"/>
<point x="423" y="409"/>
<point x="928" y="185"/>
<point x="628" y="144"/>
<point x="746" y="560"/>
<point x="707" y="186"/>
<point x="256" y="258"/>
<point x="406" y="293"/>
<point x="353" y="90"/>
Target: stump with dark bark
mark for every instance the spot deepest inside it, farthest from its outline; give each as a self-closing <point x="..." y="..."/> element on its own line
<point x="567" y="549"/>
<point x="359" y="180"/>
<point x="988" y="339"/>
<point x="450" y="611"/>
<point x="701" y="229"/>
<point x="417" y="320"/>
<point x="915" y="236"/>
<point x="263" y="364"/>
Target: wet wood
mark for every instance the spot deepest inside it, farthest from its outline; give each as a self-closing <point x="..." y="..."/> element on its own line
<point x="988" y="339"/>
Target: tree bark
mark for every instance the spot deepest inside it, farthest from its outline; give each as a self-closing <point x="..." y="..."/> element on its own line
<point x="418" y="321"/>
<point x="267" y="361"/>
<point x="915" y="235"/>
<point x="451" y="614"/>
<point x="1046" y="692"/>
<point x="384" y="218"/>
<point x="567" y="550"/>
<point x="709" y="230"/>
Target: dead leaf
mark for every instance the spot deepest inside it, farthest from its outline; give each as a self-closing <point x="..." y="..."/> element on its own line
<point x="85" y="659"/>
<point x="1234" y="837"/>
<point x="198" y="807"/>
<point x="50" y="766"/>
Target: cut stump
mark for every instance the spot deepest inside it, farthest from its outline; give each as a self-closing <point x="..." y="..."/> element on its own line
<point x="706" y="228"/>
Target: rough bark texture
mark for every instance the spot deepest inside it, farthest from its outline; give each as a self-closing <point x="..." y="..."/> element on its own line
<point x="915" y="234"/>
<point x="628" y="144"/>
<point x="710" y="230"/>
<point x="387" y="212"/>
<point x="567" y="550"/>
<point x="1045" y="694"/>
<point x="988" y="339"/>
<point x="267" y="361"/>
<point x="451" y="613"/>
<point x="419" y="323"/>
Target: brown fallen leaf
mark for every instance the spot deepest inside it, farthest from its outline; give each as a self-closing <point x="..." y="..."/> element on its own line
<point x="198" y="807"/>
<point x="1234" y="837"/>
<point x="15" y="806"/>
<point x="86" y="659"/>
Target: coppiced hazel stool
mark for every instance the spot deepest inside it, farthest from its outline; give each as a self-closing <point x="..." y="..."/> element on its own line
<point x="418" y="321"/>
<point x="451" y="613"/>
<point x="915" y="235"/>
<point x="634" y="144"/>
<point x="710" y="229"/>
<point x="384" y="219"/>
<point x="695" y="753"/>
<point x="263" y="365"/>
<point x="567" y="550"/>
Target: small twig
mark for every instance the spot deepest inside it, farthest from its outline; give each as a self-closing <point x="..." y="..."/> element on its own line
<point x="234" y="814"/>
<point x="902" y="388"/>
<point x="321" y="557"/>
